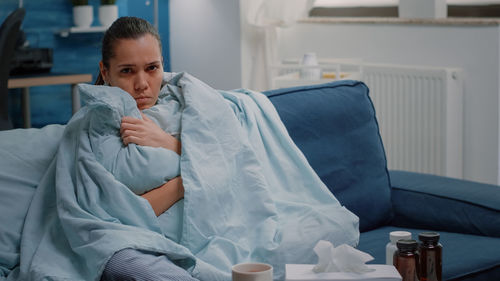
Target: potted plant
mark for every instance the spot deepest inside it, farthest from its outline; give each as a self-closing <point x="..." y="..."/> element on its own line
<point x="83" y="13"/>
<point x="108" y="12"/>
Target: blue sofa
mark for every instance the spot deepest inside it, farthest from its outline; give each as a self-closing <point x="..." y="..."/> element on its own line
<point x="336" y="128"/>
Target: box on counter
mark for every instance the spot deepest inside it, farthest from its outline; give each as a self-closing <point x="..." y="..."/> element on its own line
<point x="303" y="272"/>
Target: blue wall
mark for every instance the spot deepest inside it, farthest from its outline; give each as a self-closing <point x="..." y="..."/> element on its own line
<point x="78" y="53"/>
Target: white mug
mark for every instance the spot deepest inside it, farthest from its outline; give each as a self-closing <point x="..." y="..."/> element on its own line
<point x="252" y="272"/>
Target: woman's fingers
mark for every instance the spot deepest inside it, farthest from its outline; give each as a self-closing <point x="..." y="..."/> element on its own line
<point x="147" y="133"/>
<point x="130" y="123"/>
<point x="131" y="139"/>
<point x="129" y="119"/>
<point x="145" y="117"/>
<point x="131" y="130"/>
<point x="129" y="127"/>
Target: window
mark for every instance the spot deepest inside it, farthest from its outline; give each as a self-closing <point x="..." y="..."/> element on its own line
<point x="355" y="3"/>
<point x="389" y="8"/>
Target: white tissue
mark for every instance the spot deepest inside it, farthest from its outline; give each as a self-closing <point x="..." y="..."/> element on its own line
<point x="343" y="258"/>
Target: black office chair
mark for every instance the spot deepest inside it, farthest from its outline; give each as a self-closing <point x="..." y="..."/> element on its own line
<point x="9" y="31"/>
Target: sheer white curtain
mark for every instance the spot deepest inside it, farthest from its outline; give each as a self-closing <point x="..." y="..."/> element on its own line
<point x="264" y="19"/>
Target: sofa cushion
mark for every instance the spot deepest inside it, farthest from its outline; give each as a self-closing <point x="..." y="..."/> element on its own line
<point x="465" y="256"/>
<point x="334" y="125"/>
<point x="450" y="204"/>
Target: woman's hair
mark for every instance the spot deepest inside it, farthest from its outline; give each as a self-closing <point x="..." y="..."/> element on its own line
<point x="124" y="28"/>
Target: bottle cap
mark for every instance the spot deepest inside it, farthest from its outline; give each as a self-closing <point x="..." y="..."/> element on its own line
<point x="407" y="245"/>
<point x="428" y="237"/>
<point x="397" y="235"/>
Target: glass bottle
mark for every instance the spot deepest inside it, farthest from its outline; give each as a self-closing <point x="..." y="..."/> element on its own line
<point x="406" y="259"/>
<point x="391" y="247"/>
<point x="431" y="253"/>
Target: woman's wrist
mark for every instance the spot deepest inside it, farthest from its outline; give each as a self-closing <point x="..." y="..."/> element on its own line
<point x="170" y="142"/>
<point x="166" y="195"/>
<point x="180" y="189"/>
<point x="175" y="146"/>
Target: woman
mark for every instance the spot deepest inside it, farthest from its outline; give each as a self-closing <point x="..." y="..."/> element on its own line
<point x="132" y="60"/>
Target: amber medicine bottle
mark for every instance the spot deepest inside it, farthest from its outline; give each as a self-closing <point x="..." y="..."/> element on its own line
<point x="431" y="253"/>
<point x="406" y="259"/>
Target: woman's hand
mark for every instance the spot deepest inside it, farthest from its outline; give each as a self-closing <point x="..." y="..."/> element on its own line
<point x="164" y="196"/>
<point x="145" y="132"/>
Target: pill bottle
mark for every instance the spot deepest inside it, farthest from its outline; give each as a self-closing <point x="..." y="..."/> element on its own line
<point x="391" y="247"/>
<point x="431" y="254"/>
<point x="406" y="259"/>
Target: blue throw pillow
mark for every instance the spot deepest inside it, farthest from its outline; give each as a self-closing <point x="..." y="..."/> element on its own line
<point x="334" y="125"/>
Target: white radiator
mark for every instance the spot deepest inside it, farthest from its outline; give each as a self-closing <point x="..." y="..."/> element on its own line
<point x="420" y="114"/>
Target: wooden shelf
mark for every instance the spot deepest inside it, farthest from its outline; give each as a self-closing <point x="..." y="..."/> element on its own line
<point x="45" y="79"/>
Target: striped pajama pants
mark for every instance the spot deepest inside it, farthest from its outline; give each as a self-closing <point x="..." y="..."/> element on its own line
<point x="135" y="265"/>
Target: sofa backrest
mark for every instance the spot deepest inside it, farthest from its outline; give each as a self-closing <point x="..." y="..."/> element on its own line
<point x="334" y="125"/>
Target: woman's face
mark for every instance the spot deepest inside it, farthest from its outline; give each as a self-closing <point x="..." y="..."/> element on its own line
<point x="136" y="68"/>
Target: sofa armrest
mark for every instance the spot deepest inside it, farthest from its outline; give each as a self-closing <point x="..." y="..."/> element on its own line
<point x="446" y="204"/>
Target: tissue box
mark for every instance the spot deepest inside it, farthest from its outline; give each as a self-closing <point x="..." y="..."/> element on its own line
<point x="303" y="272"/>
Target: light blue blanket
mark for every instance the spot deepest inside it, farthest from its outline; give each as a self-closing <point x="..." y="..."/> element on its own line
<point x="250" y="194"/>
